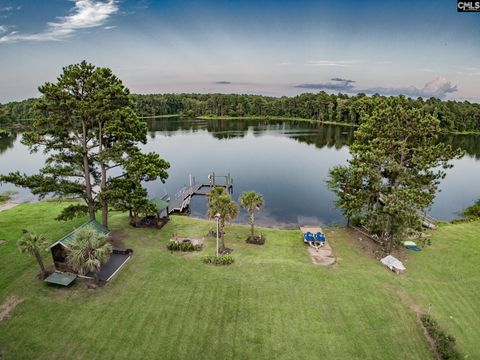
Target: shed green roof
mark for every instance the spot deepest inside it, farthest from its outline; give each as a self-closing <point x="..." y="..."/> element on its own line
<point x="160" y="204"/>
<point x="59" y="278"/>
<point x="71" y="235"/>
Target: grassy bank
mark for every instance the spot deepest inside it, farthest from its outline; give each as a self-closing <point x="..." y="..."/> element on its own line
<point x="271" y="303"/>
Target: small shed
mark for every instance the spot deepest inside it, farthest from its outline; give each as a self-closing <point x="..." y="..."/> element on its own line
<point x="59" y="248"/>
<point x="158" y="219"/>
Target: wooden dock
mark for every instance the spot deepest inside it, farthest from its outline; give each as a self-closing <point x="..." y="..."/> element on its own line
<point x="181" y="201"/>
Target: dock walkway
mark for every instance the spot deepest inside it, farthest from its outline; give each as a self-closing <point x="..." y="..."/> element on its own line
<point x="181" y="200"/>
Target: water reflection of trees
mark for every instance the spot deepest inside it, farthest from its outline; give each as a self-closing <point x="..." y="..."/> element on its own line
<point x="316" y="134"/>
<point x="469" y="143"/>
<point x="312" y="133"/>
<point x="6" y="141"/>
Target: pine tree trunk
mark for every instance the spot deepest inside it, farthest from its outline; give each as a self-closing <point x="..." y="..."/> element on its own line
<point x="103" y="181"/>
<point x="390" y="245"/>
<point x="103" y="185"/>
<point x="40" y="262"/>
<point x="86" y="173"/>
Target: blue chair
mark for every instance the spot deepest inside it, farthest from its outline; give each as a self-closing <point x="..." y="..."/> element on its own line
<point x="320" y="237"/>
<point x="308" y="236"/>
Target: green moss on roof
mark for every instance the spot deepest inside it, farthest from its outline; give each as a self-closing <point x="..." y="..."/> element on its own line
<point x="71" y="235"/>
<point x="160" y="204"/>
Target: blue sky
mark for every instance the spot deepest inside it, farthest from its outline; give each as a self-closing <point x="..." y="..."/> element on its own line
<point x="418" y="48"/>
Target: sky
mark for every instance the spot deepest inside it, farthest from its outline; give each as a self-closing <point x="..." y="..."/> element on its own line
<point x="276" y="48"/>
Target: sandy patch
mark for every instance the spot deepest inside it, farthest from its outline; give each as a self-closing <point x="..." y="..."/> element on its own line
<point x="8" y="305"/>
<point x="322" y="256"/>
<point x="8" y="205"/>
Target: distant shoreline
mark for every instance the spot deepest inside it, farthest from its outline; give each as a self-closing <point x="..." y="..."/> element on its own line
<point x="282" y="118"/>
<point x="265" y="118"/>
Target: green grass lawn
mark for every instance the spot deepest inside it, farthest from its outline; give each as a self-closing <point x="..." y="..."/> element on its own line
<point x="272" y="303"/>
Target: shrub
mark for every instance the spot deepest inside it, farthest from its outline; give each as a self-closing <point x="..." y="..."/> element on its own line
<point x="444" y="344"/>
<point x="183" y="246"/>
<point x="219" y="260"/>
<point x="473" y="211"/>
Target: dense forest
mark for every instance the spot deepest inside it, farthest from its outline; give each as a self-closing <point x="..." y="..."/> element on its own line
<point x="340" y="108"/>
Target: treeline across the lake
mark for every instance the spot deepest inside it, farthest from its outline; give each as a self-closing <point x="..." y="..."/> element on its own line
<point x="17" y="114"/>
<point x="453" y="115"/>
<point x="340" y="108"/>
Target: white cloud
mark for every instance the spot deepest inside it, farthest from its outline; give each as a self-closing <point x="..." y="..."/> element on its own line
<point x="3" y="29"/>
<point x="438" y="88"/>
<point x="331" y="62"/>
<point x="85" y="14"/>
<point x="6" y="9"/>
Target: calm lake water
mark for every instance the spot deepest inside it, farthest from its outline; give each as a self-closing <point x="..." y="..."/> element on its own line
<point x="287" y="162"/>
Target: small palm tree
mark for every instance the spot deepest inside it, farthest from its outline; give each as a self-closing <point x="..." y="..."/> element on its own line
<point x="88" y="250"/>
<point x="216" y="191"/>
<point x="226" y="209"/>
<point x="31" y="244"/>
<point x="251" y="201"/>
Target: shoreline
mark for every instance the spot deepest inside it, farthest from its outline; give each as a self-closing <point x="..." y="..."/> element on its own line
<point x="283" y="118"/>
<point x="262" y="118"/>
<point x="8" y="205"/>
<point x="278" y="118"/>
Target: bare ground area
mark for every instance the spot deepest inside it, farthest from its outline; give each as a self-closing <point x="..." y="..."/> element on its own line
<point x="117" y="238"/>
<point x="373" y="249"/>
<point x="8" y="305"/>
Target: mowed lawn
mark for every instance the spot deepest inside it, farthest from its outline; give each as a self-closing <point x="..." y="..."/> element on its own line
<point x="273" y="303"/>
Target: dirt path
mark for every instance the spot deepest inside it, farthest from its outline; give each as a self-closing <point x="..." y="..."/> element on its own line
<point x="8" y="305"/>
<point x="407" y="300"/>
<point x="8" y="205"/>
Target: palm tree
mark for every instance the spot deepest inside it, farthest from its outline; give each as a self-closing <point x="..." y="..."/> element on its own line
<point x="226" y="209"/>
<point x="88" y="250"/>
<point x="214" y="192"/>
<point x="30" y="244"/>
<point x="251" y="201"/>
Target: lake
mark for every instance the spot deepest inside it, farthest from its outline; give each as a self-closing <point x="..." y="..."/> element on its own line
<point x="286" y="161"/>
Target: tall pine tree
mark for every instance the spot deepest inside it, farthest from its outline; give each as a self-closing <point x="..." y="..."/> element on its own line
<point x="396" y="166"/>
<point x="87" y="126"/>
